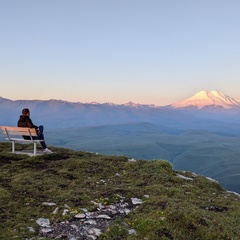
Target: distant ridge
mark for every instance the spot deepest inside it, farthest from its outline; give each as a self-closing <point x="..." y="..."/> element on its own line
<point x="200" y="100"/>
<point x="205" y="99"/>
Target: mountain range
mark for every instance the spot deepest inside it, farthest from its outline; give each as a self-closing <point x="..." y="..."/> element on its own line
<point x="64" y="114"/>
<point x="199" y="100"/>
<point x="200" y="134"/>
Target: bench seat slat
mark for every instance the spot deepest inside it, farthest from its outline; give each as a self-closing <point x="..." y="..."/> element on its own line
<point x="25" y="140"/>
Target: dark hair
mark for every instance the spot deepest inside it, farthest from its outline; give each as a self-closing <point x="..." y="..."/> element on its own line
<point x="25" y="111"/>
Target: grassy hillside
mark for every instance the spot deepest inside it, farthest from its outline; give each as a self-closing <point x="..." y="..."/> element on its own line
<point x="213" y="154"/>
<point x="175" y="205"/>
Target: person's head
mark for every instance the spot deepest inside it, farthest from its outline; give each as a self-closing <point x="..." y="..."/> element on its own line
<point x="25" y="112"/>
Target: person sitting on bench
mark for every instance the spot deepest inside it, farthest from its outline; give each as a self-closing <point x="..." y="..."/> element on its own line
<point x="25" y="121"/>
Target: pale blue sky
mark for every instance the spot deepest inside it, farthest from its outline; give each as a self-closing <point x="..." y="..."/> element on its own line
<point x="145" y="51"/>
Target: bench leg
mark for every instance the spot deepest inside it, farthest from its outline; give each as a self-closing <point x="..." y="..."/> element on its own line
<point x="13" y="146"/>
<point x="35" y="149"/>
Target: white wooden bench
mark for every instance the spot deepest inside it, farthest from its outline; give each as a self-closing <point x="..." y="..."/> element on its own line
<point x="12" y="132"/>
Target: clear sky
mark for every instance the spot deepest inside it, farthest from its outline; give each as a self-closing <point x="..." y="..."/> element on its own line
<point x="146" y="51"/>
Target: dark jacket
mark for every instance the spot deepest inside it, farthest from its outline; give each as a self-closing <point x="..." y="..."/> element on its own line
<point x="25" y="121"/>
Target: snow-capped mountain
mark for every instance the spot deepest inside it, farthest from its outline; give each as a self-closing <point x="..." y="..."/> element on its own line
<point x="206" y="99"/>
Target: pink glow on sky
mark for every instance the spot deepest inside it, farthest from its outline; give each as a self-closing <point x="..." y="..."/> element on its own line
<point x="153" y="52"/>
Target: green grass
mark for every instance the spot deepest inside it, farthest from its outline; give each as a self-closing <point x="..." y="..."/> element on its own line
<point x="213" y="154"/>
<point x="176" y="208"/>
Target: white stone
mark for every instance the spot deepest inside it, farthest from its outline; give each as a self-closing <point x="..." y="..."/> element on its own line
<point x="74" y="226"/>
<point x="94" y="231"/>
<point x="103" y="216"/>
<point x="90" y="222"/>
<point x="124" y="204"/>
<point x="92" y="237"/>
<point x="65" y="211"/>
<point x="31" y="229"/>
<point x="132" y="231"/>
<point x="49" y="203"/>
<point x="183" y="177"/>
<point x="90" y="215"/>
<point x="212" y="180"/>
<point x="136" y="201"/>
<point x="43" y="222"/>
<point x="112" y="207"/>
<point x="84" y="210"/>
<point x="118" y="195"/>
<point x="132" y="160"/>
<point x="46" y="230"/>
<point x="127" y="211"/>
<point x="95" y="203"/>
<point x="80" y="215"/>
<point x="55" y="211"/>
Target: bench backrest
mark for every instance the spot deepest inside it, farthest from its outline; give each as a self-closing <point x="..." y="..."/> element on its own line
<point x="9" y="130"/>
